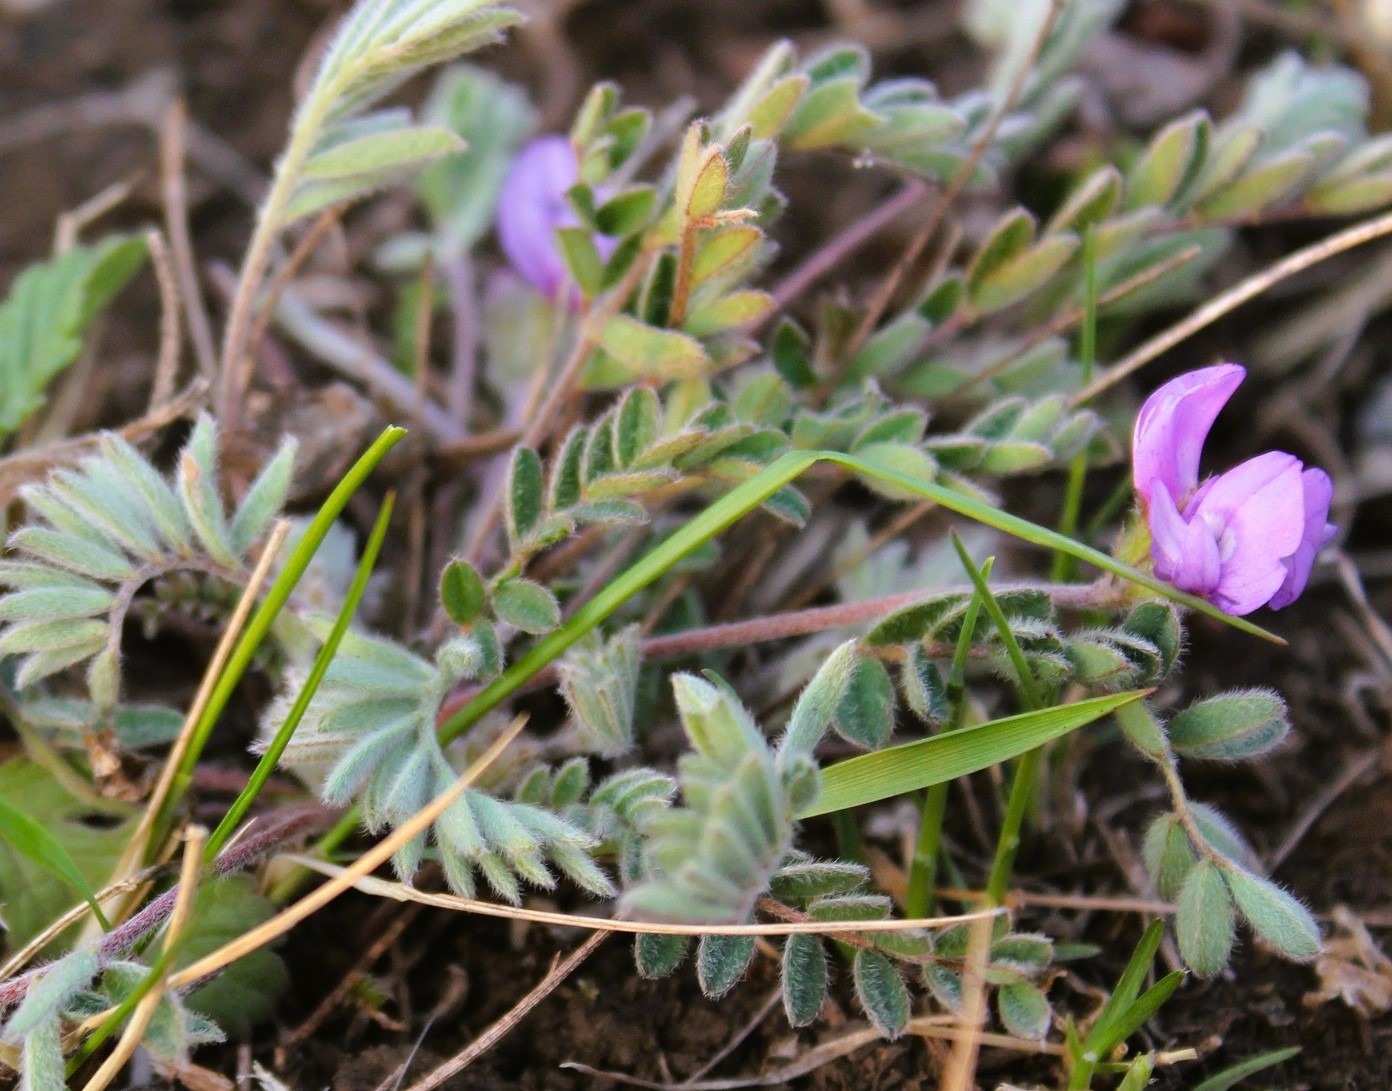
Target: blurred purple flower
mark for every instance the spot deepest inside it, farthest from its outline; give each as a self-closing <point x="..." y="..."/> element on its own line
<point x="1244" y="539"/>
<point x="532" y="205"/>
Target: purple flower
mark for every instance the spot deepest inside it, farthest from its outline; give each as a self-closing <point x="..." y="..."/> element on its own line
<point x="532" y="205"/>
<point x="1244" y="539"/>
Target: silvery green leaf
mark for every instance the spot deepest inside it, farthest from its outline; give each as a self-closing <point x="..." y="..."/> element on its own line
<point x="160" y="501"/>
<point x="361" y="762"/>
<point x="916" y="622"/>
<point x="75" y="554"/>
<point x="51" y="636"/>
<point x="850" y="907"/>
<point x="1169" y="855"/>
<point x="600" y="684"/>
<point x="829" y="113"/>
<point x="1014" y="457"/>
<point x="1204" y="920"/>
<point x="56" y="603"/>
<point x="1011" y="237"/>
<point x="945" y="984"/>
<point x="1098" y="662"/>
<point x="1222" y="836"/>
<point x="1022" y="274"/>
<point x="580" y="869"/>
<point x="923" y="687"/>
<point x="462" y="592"/>
<point x="49" y="995"/>
<point x="804" y="978"/>
<point x="1238" y="724"/>
<point x="721" y="962"/>
<point x="1232" y="148"/>
<point x="105" y="508"/>
<point x="902" y="458"/>
<point x="1261" y="186"/>
<point x="41" y="1066"/>
<point x="104" y="678"/>
<point x="620" y="486"/>
<point x="1024" y="950"/>
<point x="1347" y="196"/>
<point x="1170" y="164"/>
<point x="1274" y="915"/>
<point x="886" y="352"/>
<point x="881" y="992"/>
<point x="1158" y="623"/>
<point x="1095" y="199"/>
<point x="656" y="955"/>
<point x="1024" y="1010"/>
<point x="1292" y="98"/>
<point x="526" y="605"/>
<point x="803" y="880"/>
<point x="816" y="705"/>
<point x="198" y="489"/>
<point x="734" y="311"/>
<point x="264" y="499"/>
<point x="524" y="495"/>
<point x="646" y="352"/>
<point x="865" y="713"/>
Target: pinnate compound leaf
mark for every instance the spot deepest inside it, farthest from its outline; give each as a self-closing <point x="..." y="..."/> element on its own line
<point x="804" y="978"/>
<point x="47" y="311"/>
<point x="881" y="992"/>
<point x="721" y="962"/>
<point x="1274" y="915"/>
<point x="1204" y="920"/>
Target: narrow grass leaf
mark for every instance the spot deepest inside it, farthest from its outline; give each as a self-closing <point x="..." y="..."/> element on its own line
<point x="907" y="768"/>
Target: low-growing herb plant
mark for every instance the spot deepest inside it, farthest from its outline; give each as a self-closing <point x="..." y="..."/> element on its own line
<point x="653" y="391"/>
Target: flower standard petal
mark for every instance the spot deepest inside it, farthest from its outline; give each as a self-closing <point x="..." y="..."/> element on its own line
<point x="1318" y="492"/>
<point x="1257" y="512"/>
<point x="1172" y="426"/>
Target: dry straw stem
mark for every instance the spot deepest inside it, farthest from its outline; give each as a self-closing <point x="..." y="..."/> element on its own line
<point x="1234" y="297"/>
<point x="383" y="888"/>
<point x="195" y="837"/>
<point x="368" y="862"/>
<point x="135" y="849"/>
<point x="961" y="1068"/>
<point x="172" y="131"/>
<point x="171" y="334"/>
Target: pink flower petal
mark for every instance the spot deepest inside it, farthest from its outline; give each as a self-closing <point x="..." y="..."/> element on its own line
<point x="1318" y="492"/>
<point x="1185" y="553"/>
<point x="532" y="205"/>
<point x="1172" y="426"/>
<point x="1257" y="511"/>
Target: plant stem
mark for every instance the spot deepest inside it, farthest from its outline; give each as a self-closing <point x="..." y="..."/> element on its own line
<point x="923" y="869"/>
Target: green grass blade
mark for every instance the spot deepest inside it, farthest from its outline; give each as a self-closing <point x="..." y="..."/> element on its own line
<point x="1230" y="1077"/>
<point x="265" y="615"/>
<point x="266" y="766"/>
<point x="915" y="765"/>
<point x="31" y="839"/>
